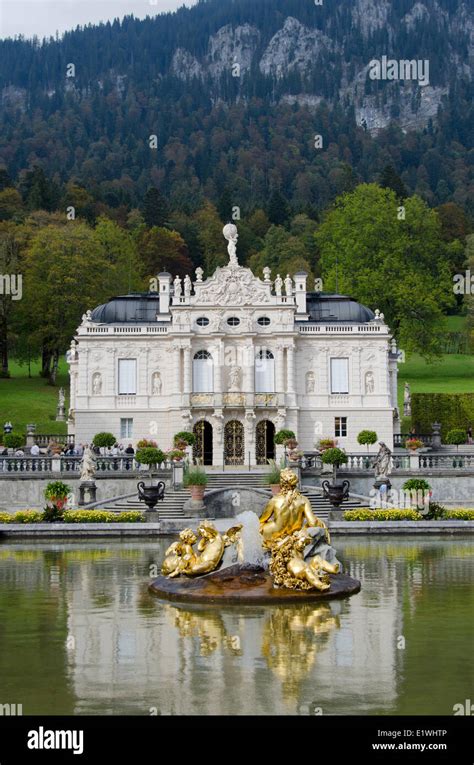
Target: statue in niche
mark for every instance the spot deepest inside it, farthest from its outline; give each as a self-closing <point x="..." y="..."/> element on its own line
<point x="288" y="285"/>
<point x="156" y="384"/>
<point x="234" y="380"/>
<point x="187" y="286"/>
<point x="310" y="382"/>
<point x="97" y="384"/>
<point x="278" y="285"/>
<point x="369" y="382"/>
<point x="178" y="287"/>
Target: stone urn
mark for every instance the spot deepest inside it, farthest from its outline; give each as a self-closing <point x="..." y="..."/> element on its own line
<point x="150" y="494"/>
<point x="336" y="492"/>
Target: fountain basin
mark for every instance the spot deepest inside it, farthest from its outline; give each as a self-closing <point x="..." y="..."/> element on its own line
<point x="246" y="585"/>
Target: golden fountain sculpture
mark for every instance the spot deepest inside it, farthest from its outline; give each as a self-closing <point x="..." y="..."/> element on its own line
<point x="284" y="525"/>
<point x="181" y="558"/>
<point x="287" y="512"/>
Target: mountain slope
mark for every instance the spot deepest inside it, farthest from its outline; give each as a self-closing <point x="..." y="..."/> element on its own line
<point x="219" y="85"/>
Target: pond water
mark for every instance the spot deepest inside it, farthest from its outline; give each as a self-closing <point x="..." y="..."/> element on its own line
<point x="81" y="634"/>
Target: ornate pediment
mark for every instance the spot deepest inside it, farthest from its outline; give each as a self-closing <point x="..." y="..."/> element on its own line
<point x="233" y="285"/>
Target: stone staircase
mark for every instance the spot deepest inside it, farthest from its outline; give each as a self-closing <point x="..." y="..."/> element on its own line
<point x="172" y="507"/>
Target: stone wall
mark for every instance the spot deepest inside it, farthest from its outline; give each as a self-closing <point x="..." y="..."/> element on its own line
<point x="26" y="493"/>
<point x="449" y="489"/>
<point x="228" y="503"/>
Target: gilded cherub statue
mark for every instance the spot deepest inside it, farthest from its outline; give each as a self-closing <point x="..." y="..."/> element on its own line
<point x="182" y="559"/>
<point x="288" y="512"/>
<point x="289" y="568"/>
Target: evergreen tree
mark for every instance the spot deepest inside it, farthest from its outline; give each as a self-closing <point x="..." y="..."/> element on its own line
<point x="389" y="179"/>
<point x="155" y="209"/>
<point x="278" y="209"/>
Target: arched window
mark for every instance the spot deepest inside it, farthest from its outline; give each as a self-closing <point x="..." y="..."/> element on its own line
<point x="265" y="372"/>
<point x="203" y="373"/>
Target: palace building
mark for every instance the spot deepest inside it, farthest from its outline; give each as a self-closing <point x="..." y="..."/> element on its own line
<point x="233" y="358"/>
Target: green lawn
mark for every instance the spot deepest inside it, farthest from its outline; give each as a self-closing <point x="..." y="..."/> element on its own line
<point x="24" y="400"/>
<point x="452" y="374"/>
<point x="456" y="323"/>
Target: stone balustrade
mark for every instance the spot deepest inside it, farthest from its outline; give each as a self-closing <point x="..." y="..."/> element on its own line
<point x="62" y="465"/>
<point x="415" y="463"/>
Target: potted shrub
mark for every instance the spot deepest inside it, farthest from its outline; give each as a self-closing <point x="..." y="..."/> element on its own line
<point x="326" y="443"/>
<point x="196" y="480"/>
<point x="56" y="495"/>
<point x="418" y="489"/>
<point x="282" y="437"/>
<point x="144" y="443"/>
<point x="104" y="441"/>
<point x="413" y="444"/>
<point x="175" y="455"/>
<point x="454" y="437"/>
<point x="367" y="438"/>
<point x="13" y="441"/>
<point x="184" y="439"/>
<point x="335" y="492"/>
<point x="272" y="478"/>
<point x="150" y="456"/>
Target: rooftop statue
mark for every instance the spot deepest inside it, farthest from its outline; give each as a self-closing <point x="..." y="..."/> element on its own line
<point x="231" y="234"/>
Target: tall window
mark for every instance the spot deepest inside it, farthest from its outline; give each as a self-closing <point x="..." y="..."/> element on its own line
<point x="203" y="373"/>
<point x="265" y="372"/>
<point x="339" y="375"/>
<point x="126" y="427"/>
<point x="340" y="427"/>
<point x="127" y="377"/>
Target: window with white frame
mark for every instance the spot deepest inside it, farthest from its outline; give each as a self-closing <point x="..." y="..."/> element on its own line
<point x="265" y="372"/>
<point x="339" y="375"/>
<point x="203" y="372"/>
<point x="340" y="427"/>
<point x="126" y="427"/>
<point x="127" y="377"/>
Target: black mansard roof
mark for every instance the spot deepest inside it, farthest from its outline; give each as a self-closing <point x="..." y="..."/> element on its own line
<point x="142" y="308"/>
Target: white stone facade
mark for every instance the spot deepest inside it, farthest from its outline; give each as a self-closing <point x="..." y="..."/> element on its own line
<point x="232" y="349"/>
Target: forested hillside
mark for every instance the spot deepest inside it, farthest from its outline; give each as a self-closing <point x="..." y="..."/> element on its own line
<point x="302" y="72"/>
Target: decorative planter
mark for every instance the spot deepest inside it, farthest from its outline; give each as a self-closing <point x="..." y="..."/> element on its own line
<point x="150" y="494"/>
<point x="275" y="487"/>
<point x="197" y="493"/>
<point x="336" y="492"/>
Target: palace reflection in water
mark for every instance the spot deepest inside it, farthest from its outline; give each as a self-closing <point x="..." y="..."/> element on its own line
<point x="81" y="634"/>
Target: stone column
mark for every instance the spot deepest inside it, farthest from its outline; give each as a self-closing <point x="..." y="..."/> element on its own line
<point x="218" y="361"/>
<point x="177" y="369"/>
<point x="280" y="369"/>
<point x="187" y="370"/>
<point x="291" y="368"/>
<point x="249" y="369"/>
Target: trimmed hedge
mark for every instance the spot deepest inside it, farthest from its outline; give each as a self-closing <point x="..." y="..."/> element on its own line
<point x="102" y="516"/>
<point x="382" y="515"/>
<point x="22" y="516"/>
<point x="74" y="516"/>
<point x="452" y="410"/>
<point x="460" y="515"/>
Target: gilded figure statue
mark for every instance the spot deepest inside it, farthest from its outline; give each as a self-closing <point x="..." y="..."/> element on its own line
<point x="287" y="512"/>
<point x="182" y="558"/>
<point x="289" y="568"/>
